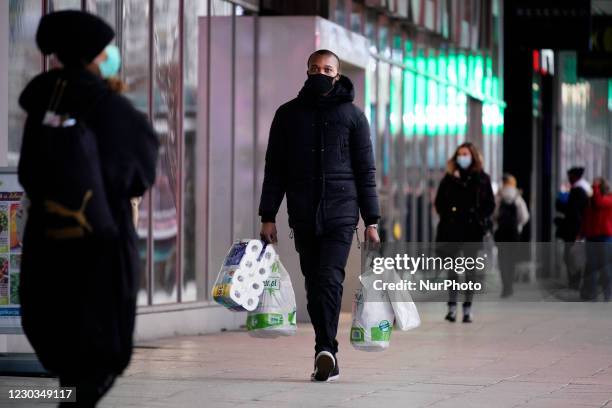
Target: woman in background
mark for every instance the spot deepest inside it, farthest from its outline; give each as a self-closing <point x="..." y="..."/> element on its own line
<point x="464" y="202"/>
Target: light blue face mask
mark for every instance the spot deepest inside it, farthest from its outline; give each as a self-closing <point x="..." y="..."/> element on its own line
<point x="110" y="66"/>
<point x="464" y="161"/>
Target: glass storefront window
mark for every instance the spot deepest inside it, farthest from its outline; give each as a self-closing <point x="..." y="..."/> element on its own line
<point x="26" y="63"/>
<point x="384" y="46"/>
<point x="166" y="94"/>
<point x="191" y="281"/>
<point x="370" y="30"/>
<point x="106" y="9"/>
<point x="55" y="5"/>
<point x="133" y="40"/>
<point x="357" y="17"/>
<point x="340" y="12"/>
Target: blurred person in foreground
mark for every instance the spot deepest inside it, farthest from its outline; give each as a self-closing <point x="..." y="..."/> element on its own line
<point x="509" y="217"/>
<point x="320" y="154"/>
<point x="78" y="285"/>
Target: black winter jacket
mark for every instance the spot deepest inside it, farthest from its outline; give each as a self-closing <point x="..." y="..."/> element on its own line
<point x="78" y="297"/>
<point x="465" y="205"/>
<point x="573" y="210"/>
<point x="320" y="154"/>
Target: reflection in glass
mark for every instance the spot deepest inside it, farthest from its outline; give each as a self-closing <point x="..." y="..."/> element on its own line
<point x="105" y="9"/>
<point x="166" y="80"/>
<point x="25" y="63"/>
<point x="134" y="51"/>
<point x="193" y="10"/>
<point x="133" y="40"/>
<point x="55" y="5"/>
<point x="142" y="230"/>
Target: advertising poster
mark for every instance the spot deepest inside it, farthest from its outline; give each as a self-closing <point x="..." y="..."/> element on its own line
<point x="10" y="251"/>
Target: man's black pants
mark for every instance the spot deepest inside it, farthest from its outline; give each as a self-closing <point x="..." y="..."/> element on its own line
<point x="322" y="260"/>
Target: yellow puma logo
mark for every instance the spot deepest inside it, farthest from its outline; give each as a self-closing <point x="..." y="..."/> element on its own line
<point x="53" y="207"/>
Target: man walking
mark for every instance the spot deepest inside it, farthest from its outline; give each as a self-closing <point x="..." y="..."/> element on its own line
<point x="320" y="154"/>
<point x="568" y="227"/>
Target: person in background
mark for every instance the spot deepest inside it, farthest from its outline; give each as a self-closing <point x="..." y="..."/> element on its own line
<point x="568" y="226"/>
<point x="509" y="217"/>
<point x="597" y="230"/>
<point x="78" y="295"/>
<point x="465" y="203"/>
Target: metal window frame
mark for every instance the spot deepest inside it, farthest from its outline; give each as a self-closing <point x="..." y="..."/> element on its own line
<point x="150" y="243"/>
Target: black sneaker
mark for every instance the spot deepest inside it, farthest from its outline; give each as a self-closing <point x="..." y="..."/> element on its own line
<point x="325" y="364"/>
<point x="451" y="316"/>
<point x="467" y="318"/>
<point x="335" y="374"/>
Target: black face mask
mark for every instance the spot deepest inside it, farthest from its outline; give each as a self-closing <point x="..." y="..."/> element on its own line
<point x="319" y="83"/>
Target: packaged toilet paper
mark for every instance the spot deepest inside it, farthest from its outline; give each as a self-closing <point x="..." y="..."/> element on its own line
<point x="275" y="314"/>
<point x="241" y="278"/>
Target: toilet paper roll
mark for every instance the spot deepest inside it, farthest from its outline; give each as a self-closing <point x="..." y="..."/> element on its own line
<point x="240" y="278"/>
<point x="262" y="273"/>
<point x="256" y="288"/>
<point x="254" y="248"/>
<point x="249" y="270"/>
<point x="250" y="253"/>
<point x="268" y="255"/>
<point x="238" y="294"/>
<point x="251" y="303"/>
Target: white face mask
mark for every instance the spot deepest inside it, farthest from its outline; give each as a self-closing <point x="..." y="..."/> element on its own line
<point x="464" y="161"/>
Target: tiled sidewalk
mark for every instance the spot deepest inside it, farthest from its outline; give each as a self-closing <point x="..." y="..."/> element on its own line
<point x="514" y="355"/>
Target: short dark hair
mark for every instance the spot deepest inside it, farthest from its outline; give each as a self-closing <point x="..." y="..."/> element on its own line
<point x="576" y="172"/>
<point x="323" y="52"/>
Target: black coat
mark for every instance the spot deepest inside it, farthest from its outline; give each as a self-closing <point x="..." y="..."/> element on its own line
<point x="320" y="154"/>
<point x="78" y="297"/>
<point x="573" y="211"/>
<point x="465" y="205"/>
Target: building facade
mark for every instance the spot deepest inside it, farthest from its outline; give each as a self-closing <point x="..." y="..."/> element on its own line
<point x="209" y="75"/>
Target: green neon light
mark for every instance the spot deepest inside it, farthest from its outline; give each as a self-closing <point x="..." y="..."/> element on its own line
<point x="408" y="94"/>
<point x="408" y="54"/>
<point x="451" y="68"/>
<point x="610" y="94"/>
<point x="421" y="94"/>
<point x="394" y="112"/>
<point x="462" y="71"/>
<point x="478" y="75"/>
<point x="432" y="94"/>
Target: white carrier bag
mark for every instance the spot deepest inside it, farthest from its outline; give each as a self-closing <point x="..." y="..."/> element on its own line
<point x="372" y="323"/>
<point x="275" y="314"/>
<point x="406" y="313"/>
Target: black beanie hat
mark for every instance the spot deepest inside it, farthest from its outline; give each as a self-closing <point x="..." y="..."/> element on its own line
<point x="76" y="37"/>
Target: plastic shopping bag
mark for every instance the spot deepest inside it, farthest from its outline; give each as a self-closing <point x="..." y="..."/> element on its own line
<point x="372" y="323"/>
<point x="405" y="311"/>
<point x="275" y="314"/>
<point x="406" y="315"/>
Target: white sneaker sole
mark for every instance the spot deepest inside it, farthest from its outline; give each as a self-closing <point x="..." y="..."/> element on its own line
<point x="333" y="378"/>
<point x="324" y="364"/>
